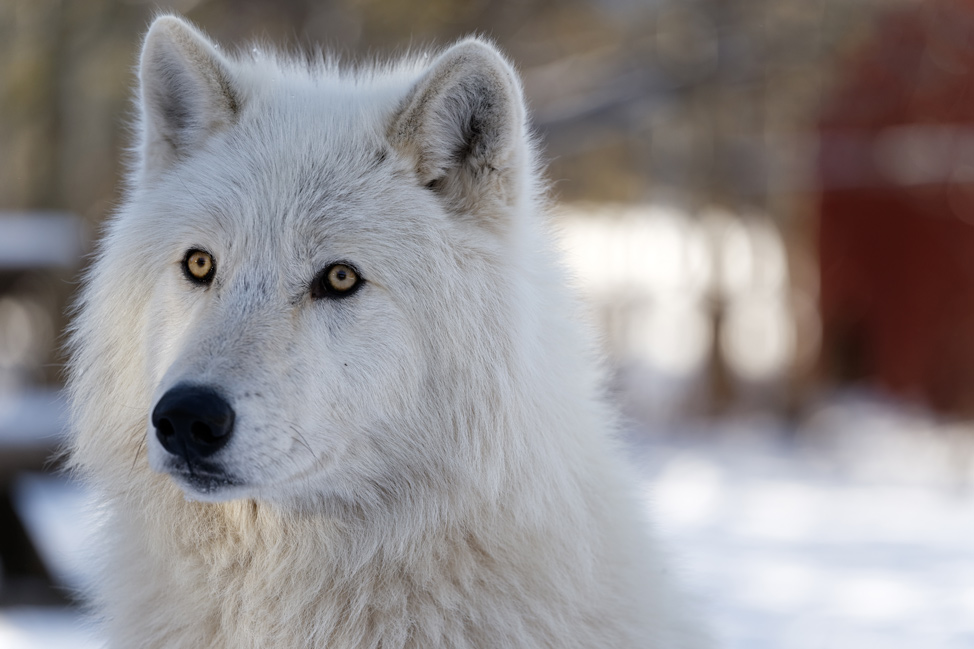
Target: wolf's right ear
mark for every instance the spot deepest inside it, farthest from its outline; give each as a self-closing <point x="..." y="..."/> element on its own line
<point x="186" y="93"/>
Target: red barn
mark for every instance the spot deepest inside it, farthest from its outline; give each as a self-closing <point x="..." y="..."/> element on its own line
<point x="896" y="227"/>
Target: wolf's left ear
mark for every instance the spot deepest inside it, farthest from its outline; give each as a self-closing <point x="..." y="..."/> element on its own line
<point x="186" y="93"/>
<point x="463" y="127"/>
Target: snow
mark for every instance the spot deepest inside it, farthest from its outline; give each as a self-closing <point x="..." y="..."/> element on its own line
<point x="31" y="418"/>
<point x="856" y="532"/>
<point x="60" y="518"/>
<point x="852" y="530"/>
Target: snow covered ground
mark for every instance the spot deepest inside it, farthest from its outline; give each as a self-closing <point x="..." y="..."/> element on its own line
<point x="854" y="531"/>
<point x="858" y="532"/>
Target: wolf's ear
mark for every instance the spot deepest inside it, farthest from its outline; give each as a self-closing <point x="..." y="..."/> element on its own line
<point x="462" y="125"/>
<point x="186" y="93"/>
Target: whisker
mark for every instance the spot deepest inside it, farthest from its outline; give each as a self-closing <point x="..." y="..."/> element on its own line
<point x="301" y="439"/>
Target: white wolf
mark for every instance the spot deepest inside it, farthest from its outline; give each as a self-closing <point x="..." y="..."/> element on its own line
<point x="326" y="379"/>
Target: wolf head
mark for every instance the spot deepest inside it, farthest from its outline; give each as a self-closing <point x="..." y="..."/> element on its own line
<point x="316" y="286"/>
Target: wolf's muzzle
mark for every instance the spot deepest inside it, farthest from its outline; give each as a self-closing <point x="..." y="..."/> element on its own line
<point x="193" y="421"/>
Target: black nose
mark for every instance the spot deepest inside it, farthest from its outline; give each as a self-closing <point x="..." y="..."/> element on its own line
<point x="193" y="421"/>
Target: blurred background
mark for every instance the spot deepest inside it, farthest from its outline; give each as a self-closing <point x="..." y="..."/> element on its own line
<point x="767" y="205"/>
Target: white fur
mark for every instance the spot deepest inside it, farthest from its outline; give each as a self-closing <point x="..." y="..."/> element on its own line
<point x="427" y="463"/>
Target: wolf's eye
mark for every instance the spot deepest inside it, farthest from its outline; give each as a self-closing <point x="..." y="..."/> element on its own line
<point x="199" y="266"/>
<point x="335" y="281"/>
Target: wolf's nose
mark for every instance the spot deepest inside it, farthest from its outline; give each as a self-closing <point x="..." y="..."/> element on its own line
<point x="193" y="421"/>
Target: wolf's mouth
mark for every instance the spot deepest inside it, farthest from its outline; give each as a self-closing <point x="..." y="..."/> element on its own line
<point x="202" y="477"/>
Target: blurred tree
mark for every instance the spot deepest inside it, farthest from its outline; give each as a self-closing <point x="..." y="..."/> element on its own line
<point x="706" y="99"/>
<point x="702" y="102"/>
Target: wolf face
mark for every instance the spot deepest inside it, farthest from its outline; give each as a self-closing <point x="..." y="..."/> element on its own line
<point x="330" y="267"/>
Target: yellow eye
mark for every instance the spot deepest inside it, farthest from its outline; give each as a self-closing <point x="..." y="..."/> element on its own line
<point x="336" y="281"/>
<point x="199" y="266"/>
<point x="341" y="278"/>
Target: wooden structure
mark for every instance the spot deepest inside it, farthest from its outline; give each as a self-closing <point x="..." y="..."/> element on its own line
<point x="896" y="227"/>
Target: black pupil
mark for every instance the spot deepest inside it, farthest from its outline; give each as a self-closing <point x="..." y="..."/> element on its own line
<point x="341" y="275"/>
<point x="200" y="261"/>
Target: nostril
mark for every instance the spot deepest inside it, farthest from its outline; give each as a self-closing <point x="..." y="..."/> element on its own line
<point x="164" y="428"/>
